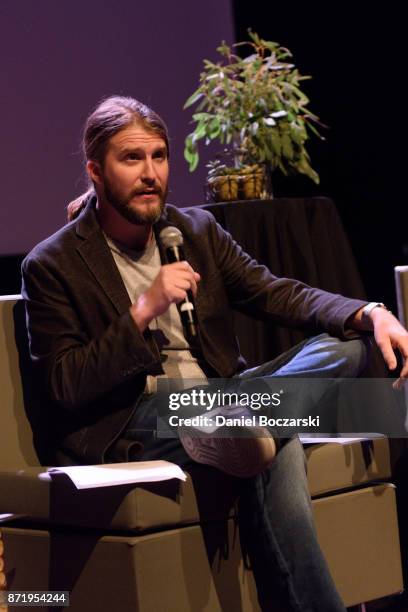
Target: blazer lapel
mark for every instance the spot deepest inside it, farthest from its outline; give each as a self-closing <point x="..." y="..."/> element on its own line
<point x="95" y="252"/>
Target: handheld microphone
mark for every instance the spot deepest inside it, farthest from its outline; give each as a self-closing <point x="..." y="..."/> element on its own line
<point x="172" y="240"/>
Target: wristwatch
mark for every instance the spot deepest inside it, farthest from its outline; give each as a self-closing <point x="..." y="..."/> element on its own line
<point x="365" y="317"/>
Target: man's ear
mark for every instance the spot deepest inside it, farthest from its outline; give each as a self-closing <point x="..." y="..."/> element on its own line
<point x="94" y="171"/>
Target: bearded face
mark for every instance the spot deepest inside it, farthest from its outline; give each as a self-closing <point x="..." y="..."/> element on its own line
<point x="141" y="206"/>
<point x="134" y="176"/>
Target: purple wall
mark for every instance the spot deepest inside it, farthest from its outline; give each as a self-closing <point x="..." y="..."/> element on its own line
<point x="57" y="59"/>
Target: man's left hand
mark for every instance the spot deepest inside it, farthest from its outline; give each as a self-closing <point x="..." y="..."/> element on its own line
<point x="389" y="335"/>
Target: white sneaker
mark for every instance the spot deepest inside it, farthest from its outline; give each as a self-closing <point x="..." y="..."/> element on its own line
<point x="243" y="451"/>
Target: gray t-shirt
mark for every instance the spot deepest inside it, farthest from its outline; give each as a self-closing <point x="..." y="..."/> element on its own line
<point x="138" y="270"/>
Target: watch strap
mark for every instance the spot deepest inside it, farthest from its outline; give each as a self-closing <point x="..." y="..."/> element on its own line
<point x="369" y="308"/>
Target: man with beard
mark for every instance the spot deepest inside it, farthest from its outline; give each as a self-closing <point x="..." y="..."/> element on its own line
<point x="103" y="324"/>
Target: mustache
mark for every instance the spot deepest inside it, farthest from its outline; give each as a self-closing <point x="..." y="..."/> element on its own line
<point x="156" y="189"/>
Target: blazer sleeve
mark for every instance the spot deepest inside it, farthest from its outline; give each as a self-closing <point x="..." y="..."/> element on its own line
<point x="255" y="291"/>
<point x="75" y="367"/>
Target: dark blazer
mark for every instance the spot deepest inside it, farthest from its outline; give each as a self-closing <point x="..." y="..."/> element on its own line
<point x="90" y="358"/>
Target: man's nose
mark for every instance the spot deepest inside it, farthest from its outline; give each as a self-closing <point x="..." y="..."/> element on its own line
<point x="148" y="173"/>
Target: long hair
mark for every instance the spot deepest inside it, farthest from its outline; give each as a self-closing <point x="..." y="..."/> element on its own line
<point x="112" y="115"/>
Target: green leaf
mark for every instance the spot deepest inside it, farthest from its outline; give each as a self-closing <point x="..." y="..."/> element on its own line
<point x="188" y="143"/>
<point x="300" y="93"/>
<point x="312" y="128"/>
<point x="272" y="46"/>
<point x="287" y="148"/>
<point x="193" y="99"/>
<point x="224" y="49"/>
<point x="194" y="163"/>
<point x="254" y="36"/>
<point x="213" y="128"/>
<point x="276" y="143"/>
<point x="201" y="116"/>
<point x="304" y="167"/>
<point x="191" y="153"/>
<point x="199" y="132"/>
<point x="188" y="155"/>
<point x="297" y="134"/>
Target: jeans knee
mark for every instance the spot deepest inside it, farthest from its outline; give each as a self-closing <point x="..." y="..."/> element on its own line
<point x="351" y="356"/>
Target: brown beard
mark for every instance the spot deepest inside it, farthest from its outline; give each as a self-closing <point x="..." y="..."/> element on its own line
<point x="130" y="214"/>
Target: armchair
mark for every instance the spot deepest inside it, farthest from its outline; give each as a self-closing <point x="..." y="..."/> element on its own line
<point x="168" y="546"/>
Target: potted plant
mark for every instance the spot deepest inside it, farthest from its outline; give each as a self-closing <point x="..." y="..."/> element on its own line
<point x="254" y="107"/>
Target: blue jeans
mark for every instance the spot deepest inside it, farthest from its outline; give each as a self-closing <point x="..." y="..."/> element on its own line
<point x="275" y="519"/>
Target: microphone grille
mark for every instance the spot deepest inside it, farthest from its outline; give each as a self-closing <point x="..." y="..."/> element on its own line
<point x="171" y="237"/>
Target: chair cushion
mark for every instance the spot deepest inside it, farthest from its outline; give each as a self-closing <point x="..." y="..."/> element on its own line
<point x="207" y="494"/>
<point x="333" y="466"/>
<point x="52" y="497"/>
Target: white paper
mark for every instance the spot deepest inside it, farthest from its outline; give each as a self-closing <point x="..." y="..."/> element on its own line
<point x="4" y="518"/>
<point x="340" y="440"/>
<point x="111" y="474"/>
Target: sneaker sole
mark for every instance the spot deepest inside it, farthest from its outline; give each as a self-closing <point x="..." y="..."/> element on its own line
<point x="242" y="457"/>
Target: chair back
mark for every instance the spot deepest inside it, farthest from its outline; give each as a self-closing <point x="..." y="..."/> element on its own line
<point x="16" y="439"/>
<point x="401" y="290"/>
<point x="401" y="287"/>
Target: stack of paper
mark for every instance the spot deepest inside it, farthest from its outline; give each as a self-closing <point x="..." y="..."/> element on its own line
<point x="111" y="474"/>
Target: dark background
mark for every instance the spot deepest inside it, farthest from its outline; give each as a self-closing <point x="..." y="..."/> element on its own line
<point x="356" y="53"/>
<point x="58" y="59"/>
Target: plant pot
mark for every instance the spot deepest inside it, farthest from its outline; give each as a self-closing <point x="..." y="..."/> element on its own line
<point x="223" y="188"/>
<point x="252" y="185"/>
<point x="244" y="186"/>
